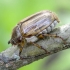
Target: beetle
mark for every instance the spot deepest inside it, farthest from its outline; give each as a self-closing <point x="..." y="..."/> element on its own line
<point x="37" y="25"/>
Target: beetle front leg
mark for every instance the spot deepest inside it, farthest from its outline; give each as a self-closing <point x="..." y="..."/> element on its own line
<point x="20" y="50"/>
<point x="51" y="35"/>
<point x="21" y="46"/>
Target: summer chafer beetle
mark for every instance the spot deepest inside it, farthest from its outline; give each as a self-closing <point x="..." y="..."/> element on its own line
<point x="34" y="25"/>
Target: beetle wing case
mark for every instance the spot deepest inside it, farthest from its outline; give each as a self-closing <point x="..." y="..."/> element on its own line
<point x="37" y="23"/>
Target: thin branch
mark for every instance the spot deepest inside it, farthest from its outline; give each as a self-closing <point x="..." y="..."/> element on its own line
<point x="9" y="59"/>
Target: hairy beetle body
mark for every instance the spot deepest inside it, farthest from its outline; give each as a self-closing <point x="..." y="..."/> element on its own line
<point x="41" y="22"/>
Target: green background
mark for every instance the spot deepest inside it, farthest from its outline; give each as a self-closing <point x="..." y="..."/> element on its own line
<point x="12" y="11"/>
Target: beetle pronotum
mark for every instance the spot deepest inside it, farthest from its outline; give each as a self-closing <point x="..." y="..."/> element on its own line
<point x="36" y="25"/>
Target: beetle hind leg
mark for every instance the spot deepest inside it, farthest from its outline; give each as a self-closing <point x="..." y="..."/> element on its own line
<point x="51" y="35"/>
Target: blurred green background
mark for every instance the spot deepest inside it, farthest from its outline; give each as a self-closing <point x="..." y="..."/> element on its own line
<point x="12" y="11"/>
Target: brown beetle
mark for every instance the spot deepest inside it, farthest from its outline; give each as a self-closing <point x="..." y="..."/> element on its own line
<point x="35" y="25"/>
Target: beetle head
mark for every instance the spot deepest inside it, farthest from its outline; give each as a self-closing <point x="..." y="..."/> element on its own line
<point x="14" y="41"/>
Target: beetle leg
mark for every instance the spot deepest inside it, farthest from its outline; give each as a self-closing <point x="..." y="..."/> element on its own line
<point x="37" y="45"/>
<point x="20" y="50"/>
<point x="21" y="45"/>
<point x="51" y="35"/>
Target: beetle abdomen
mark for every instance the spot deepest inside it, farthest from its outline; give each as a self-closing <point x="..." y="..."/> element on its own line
<point x="50" y="28"/>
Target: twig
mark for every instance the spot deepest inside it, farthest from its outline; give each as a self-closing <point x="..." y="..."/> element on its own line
<point x="9" y="59"/>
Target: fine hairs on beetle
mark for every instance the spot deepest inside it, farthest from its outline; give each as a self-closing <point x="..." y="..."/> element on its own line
<point x="37" y="25"/>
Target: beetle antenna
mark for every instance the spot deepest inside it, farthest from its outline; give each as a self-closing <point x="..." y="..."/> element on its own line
<point x="8" y="42"/>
